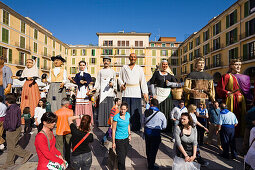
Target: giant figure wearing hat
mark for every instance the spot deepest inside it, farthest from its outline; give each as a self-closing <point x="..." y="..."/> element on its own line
<point x="106" y="85"/>
<point x="57" y="79"/>
<point x="234" y="89"/>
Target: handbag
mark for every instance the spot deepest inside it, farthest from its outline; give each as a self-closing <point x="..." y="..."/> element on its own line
<point x="112" y="160"/>
<point x="78" y="144"/>
<point x="53" y="165"/>
<point x="180" y="164"/>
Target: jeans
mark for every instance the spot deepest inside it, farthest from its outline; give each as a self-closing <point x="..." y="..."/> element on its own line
<point x="227" y="137"/>
<point x="121" y="150"/>
<point x="152" y="145"/>
<point x="82" y="161"/>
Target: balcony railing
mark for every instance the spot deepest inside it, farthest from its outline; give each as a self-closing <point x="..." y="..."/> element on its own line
<point x="19" y="47"/>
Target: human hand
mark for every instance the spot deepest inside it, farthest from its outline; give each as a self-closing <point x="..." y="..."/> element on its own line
<point x="187" y="158"/>
<point x="63" y="164"/>
<point x="206" y="129"/>
<point x="217" y="132"/>
<point x="62" y="85"/>
<point x="7" y="90"/>
<point x="146" y="97"/>
<point x="123" y="87"/>
<point x="113" y="145"/>
<point x="192" y="158"/>
<point x="129" y="138"/>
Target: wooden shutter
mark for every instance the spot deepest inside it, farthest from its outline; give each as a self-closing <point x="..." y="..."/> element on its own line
<point x="246" y="9"/>
<point x="122" y="61"/>
<point x="166" y="52"/>
<point x="235" y="16"/>
<point x="10" y="56"/>
<point x="81" y="52"/>
<point x="247" y="29"/>
<point x="235" y="35"/>
<point x="219" y="26"/>
<point x="236" y="52"/>
<point x="227" y="21"/>
<point x="38" y="62"/>
<point x="245" y="52"/>
<point x="227" y="38"/>
<point x="154" y="61"/>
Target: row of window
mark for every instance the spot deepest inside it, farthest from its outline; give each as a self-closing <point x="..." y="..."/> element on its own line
<point x="122" y="43"/>
<point x="231" y="19"/>
<point x="162" y="45"/>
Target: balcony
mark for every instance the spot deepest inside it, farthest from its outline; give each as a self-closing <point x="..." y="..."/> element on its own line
<point x="46" y="56"/>
<point x="26" y="49"/>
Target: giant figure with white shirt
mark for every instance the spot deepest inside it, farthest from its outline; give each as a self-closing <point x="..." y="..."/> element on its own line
<point x="57" y="80"/>
<point x="133" y="83"/>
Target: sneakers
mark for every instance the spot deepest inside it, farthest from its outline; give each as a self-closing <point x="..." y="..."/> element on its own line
<point x="2" y="147"/>
<point x="26" y="158"/>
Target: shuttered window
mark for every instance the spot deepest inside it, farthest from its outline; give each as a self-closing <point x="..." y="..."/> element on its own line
<point x="6" y="17"/>
<point x="154" y="61"/>
<point x="35" y="34"/>
<point x="10" y="56"/>
<point x="5" y="35"/>
<point x="22" y="42"/>
<point x="153" y="52"/>
<point x="35" y="47"/>
<point x="23" y="27"/>
<point x="45" y="39"/>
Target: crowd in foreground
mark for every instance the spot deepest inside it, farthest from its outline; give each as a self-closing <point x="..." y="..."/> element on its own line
<point x="189" y="119"/>
<point x="70" y="147"/>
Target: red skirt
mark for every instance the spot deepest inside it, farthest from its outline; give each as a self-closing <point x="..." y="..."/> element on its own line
<point x="30" y="97"/>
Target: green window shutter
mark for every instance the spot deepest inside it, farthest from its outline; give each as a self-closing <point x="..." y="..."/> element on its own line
<point x="227" y="21"/>
<point x="235" y="35"/>
<point x="38" y="62"/>
<point x="161" y="53"/>
<point x="219" y="26"/>
<point x="154" y="61"/>
<point x="22" y="42"/>
<point x="214" y="30"/>
<point x="1" y="50"/>
<point x="92" y="70"/>
<point x="153" y="52"/>
<point x="45" y="40"/>
<point x="90" y="60"/>
<point x="122" y="61"/>
<point x="246" y="9"/>
<point x="166" y="52"/>
<point x="227" y="38"/>
<point x="81" y="52"/>
<point x="95" y="60"/>
<point x="5" y="35"/>
<point x="73" y="61"/>
<point x="10" y="56"/>
<point x="236" y="52"/>
<point x="141" y="52"/>
<point x="83" y="59"/>
<point x="23" y="27"/>
<point x="25" y="59"/>
<point x="245" y="52"/>
<point x="136" y="52"/>
<point x="247" y="29"/>
<point x="20" y="58"/>
<point x="235" y="16"/>
<point x="70" y="70"/>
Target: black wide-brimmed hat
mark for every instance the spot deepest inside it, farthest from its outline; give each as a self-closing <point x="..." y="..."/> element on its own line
<point x="58" y="57"/>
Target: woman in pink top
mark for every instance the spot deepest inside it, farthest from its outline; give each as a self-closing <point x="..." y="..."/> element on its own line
<point x="45" y="155"/>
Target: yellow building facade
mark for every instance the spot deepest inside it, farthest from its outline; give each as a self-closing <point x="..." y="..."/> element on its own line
<point x="22" y="38"/>
<point x="229" y="35"/>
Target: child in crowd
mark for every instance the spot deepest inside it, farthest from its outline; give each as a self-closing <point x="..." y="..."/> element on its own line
<point x="114" y="111"/>
<point x="27" y="117"/>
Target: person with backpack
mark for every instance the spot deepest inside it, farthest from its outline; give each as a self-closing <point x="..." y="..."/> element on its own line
<point x="155" y="121"/>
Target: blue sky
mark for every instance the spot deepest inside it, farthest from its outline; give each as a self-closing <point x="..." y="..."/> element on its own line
<point x="77" y="21"/>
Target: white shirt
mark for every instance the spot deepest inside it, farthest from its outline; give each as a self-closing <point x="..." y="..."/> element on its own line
<point x="194" y="118"/>
<point x="250" y="157"/>
<point x="135" y="81"/>
<point x="56" y="71"/>
<point x="177" y="112"/>
<point x="104" y="76"/>
<point x="2" y="109"/>
<point x="39" y="111"/>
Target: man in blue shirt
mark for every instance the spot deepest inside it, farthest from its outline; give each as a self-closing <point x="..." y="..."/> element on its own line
<point x="214" y="113"/>
<point x="155" y="121"/>
<point x="226" y="125"/>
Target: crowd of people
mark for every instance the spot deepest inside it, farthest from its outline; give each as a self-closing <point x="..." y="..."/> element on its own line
<point x="223" y="112"/>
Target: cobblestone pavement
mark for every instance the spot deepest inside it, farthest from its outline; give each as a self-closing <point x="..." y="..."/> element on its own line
<point x="136" y="158"/>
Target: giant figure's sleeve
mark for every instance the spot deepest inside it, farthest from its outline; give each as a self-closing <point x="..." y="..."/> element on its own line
<point x="9" y="76"/>
<point x="120" y="79"/>
<point x="143" y="82"/>
<point x="212" y="90"/>
<point x="98" y="81"/>
<point x="221" y="87"/>
<point x="187" y="85"/>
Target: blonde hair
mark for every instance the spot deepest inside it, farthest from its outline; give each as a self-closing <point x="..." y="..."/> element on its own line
<point x="191" y="108"/>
